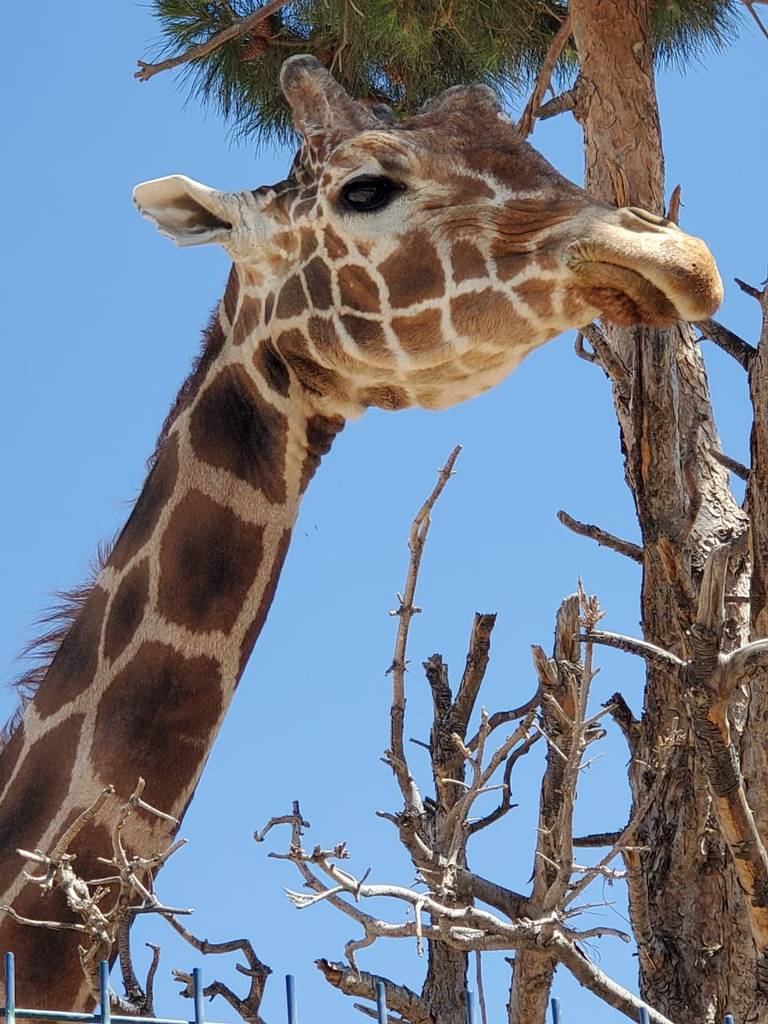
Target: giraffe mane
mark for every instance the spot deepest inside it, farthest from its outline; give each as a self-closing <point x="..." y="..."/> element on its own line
<point x="55" y="623"/>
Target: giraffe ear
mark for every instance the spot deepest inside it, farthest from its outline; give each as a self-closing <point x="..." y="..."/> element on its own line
<point x="186" y="211"/>
<point x="322" y="111"/>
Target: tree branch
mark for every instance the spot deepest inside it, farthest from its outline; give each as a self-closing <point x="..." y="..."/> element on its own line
<point x="605" y="539"/>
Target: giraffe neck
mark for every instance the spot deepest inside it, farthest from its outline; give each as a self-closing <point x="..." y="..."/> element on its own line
<point x="141" y="682"/>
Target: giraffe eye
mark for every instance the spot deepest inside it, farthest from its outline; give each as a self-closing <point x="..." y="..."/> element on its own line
<point x="364" y="195"/>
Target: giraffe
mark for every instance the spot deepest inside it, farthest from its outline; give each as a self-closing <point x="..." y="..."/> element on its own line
<point x="399" y="264"/>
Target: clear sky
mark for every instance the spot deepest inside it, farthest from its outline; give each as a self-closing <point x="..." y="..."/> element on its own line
<point x="102" y="319"/>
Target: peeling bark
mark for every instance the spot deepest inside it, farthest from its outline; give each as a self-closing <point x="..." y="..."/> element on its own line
<point x="686" y="900"/>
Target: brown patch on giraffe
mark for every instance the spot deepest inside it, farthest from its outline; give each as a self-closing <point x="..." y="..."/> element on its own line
<point x="269" y="305"/>
<point x="307" y="244"/>
<point x="464" y="190"/>
<point x="151" y="502"/>
<point x="272" y="368"/>
<point x="230" y="294"/>
<point x="415" y="274"/>
<point x="314" y="377"/>
<point x="303" y="208"/>
<point x="334" y="244"/>
<point x="574" y="306"/>
<point x="321" y="433"/>
<point x="234" y="428"/>
<point x="252" y="633"/>
<point x="538" y="295"/>
<point x="209" y="559"/>
<point x="37" y="794"/>
<point x="510" y="266"/>
<point x="358" y="290"/>
<point x="419" y="333"/>
<point x="482" y="314"/>
<point x="444" y="373"/>
<point x="328" y="345"/>
<point x="368" y="334"/>
<point x="292" y="301"/>
<point x="161" y="710"/>
<point x="248" y="319"/>
<point x="318" y="280"/>
<point x="10" y="755"/>
<point x="74" y="665"/>
<point x="126" y="610"/>
<point x="481" y="359"/>
<point x="467" y="261"/>
<point x="385" y="396"/>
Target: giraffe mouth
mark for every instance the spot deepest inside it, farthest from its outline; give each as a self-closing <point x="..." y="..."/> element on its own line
<point x="623" y="295"/>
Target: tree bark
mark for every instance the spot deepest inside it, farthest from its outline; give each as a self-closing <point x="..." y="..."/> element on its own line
<point x="696" y="954"/>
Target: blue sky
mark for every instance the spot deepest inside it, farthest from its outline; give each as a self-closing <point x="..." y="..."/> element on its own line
<point x="105" y="316"/>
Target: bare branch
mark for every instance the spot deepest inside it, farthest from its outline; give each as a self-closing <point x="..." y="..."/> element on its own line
<point x="528" y="118"/>
<point x="740" y="350"/>
<point x="605" y="539"/>
<point x="634" y="646"/>
<point x="239" y="28"/>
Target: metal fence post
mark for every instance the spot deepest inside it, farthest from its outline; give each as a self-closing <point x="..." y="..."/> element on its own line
<point x="104" y="1009"/>
<point x="555" y="1004"/>
<point x="644" y="1016"/>
<point x="728" y="1019"/>
<point x="381" y="1003"/>
<point x="197" y="992"/>
<point x="290" y="995"/>
<point x="470" y="1006"/>
<point x="10" y="989"/>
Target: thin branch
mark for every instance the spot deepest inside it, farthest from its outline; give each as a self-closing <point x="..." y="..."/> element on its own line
<point x="733" y="465"/>
<point x="528" y="118"/>
<point x="605" y="539"/>
<point x="147" y="71"/>
<point x="749" y="4"/>
<point x="736" y="347"/>
<point x="559" y="105"/>
<point x="633" y="646"/>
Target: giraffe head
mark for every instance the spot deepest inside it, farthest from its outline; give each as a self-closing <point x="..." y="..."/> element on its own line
<point x="416" y="263"/>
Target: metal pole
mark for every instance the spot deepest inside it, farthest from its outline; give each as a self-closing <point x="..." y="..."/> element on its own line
<point x="381" y="1003"/>
<point x="10" y="989"/>
<point x="728" y="1019"/>
<point x="555" y="1004"/>
<point x="290" y="995"/>
<point x="197" y="992"/>
<point x="471" y="1019"/>
<point x="104" y="1010"/>
<point x="644" y="1015"/>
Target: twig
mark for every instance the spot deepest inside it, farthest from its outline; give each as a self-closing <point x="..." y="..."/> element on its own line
<point x="559" y="105"/>
<point x="740" y="350"/>
<point x="673" y="210"/>
<point x="146" y="70"/>
<point x="749" y="4"/>
<point x="526" y="122"/>
<point x="733" y="465"/>
<point x="633" y="646"/>
<point x="405" y="612"/>
<point x="749" y="289"/>
<point x="605" y="539"/>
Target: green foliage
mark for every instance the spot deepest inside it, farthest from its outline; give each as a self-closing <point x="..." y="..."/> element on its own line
<point x="399" y="52"/>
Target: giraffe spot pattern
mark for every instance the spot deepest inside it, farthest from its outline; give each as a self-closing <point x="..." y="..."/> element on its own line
<point x="126" y="610"/>
<point x="318" y="279"/>
<point x="231" y="294"/>
<point x="538" y="296"/>
<point x="209" y="559"/>
<point x="334" y="244"/>
<point x="9" y="755"/>
<point x="77" y="659"/>
<point x="368" y="334"/>
<point x="414" y="275"/>
<point x="160" y="713"/>
<point x="358" y="290"/>
<point x="234" y="428"/>
<point x="38" y="793"/>
<point x="482" y="314"/>
<point x="314" y="377"/>
<point x="385" y="396"/>
<point x="252" y="633"/>
<point x="419" y="333"/>
<point x="248" y="319"/>
<point x="291" y="300"/>
<point x="272" y="368"/>
<point x="467" y="261"/>
<point x="321" y="432"/>
<point x="307" y="244"/>
<point x="269" y="305"/>
<point x="146" y="512"/>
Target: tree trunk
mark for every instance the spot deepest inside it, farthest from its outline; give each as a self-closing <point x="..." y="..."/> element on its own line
<point x="696" y="954"/>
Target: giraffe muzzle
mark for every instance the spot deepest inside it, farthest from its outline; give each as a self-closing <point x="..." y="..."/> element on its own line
<point x="641" y="269"/>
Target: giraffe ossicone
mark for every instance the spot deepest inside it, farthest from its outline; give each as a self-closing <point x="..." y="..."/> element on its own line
<point x="399" y="264"/>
